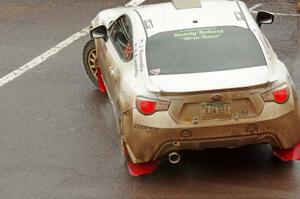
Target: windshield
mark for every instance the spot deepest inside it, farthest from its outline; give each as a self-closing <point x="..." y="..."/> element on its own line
<point x="203" y="50"/>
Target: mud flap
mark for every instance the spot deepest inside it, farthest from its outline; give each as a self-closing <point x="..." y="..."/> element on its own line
<point x="288" y="154"/>
<point x="142" y="169"/>
<point x="101" y="84"/>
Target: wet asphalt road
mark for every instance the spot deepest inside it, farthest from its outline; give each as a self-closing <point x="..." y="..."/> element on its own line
<point x="58" y="139"/>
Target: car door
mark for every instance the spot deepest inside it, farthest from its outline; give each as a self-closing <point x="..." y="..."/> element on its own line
<point x="119" y="53"/>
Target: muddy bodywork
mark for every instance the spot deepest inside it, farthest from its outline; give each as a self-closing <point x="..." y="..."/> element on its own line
<point x="272" y="123"/>
<point x="184" y="125"/>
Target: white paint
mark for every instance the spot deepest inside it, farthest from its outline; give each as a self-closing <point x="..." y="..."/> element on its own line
<point x="166" y="18"/>
<point x="255" y="6"/>
<point x="43" y="57"/>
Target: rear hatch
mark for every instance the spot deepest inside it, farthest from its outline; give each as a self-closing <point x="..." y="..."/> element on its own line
<point x="226" y="104"/>
<point x="208" y="73"/>
<point x="234" y="94"/>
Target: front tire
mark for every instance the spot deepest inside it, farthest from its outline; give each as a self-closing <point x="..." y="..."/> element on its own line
<point x="89" y="60"/>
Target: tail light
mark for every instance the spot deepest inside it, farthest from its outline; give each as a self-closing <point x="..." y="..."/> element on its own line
<point x="280" y="94"/>
<point x="149" y="106"/>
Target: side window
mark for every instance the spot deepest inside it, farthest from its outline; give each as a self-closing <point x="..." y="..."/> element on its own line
<point x="121" y="37"/>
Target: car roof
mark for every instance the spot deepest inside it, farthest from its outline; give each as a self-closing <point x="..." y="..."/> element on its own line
<point x="167" y="17"/>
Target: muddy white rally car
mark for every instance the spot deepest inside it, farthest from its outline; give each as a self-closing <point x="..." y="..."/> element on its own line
<point x="191" y="75"/>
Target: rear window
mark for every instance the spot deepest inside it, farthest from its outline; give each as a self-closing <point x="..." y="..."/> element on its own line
<point x="203" y="50"/>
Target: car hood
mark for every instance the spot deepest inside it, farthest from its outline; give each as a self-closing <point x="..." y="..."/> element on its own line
<point x="209" y="81"/>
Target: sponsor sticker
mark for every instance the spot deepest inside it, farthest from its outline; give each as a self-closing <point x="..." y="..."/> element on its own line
<point x="199" y="34"/>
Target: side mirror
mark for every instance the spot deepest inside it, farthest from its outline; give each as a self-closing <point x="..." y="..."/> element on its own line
<point x="264" y="18"/>
<point x="99" y="33"/>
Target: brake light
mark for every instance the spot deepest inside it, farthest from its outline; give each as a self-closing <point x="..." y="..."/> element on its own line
<point x="146" y="107"/>
<point x="149" y="106"/>
<point x="279" y="94"/>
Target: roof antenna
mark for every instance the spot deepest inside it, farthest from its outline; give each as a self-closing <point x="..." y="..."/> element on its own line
<point x="134" y="3"/>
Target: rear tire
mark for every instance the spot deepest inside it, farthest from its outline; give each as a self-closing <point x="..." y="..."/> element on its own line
<point x="89" y="61"/>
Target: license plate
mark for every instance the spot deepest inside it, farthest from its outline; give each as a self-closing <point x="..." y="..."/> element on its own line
<point x="216" y="110"/>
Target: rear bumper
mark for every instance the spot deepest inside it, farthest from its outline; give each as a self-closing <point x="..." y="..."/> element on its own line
<point x="151" y="137"/>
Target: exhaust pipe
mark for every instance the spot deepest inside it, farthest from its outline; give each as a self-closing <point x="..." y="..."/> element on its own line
<point x="174" y="158"/>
